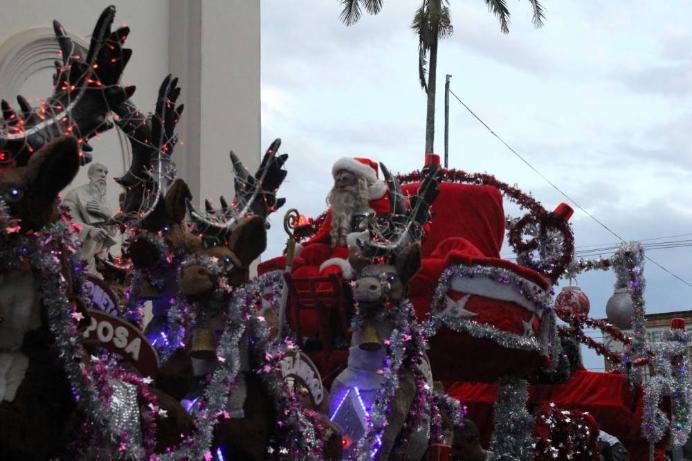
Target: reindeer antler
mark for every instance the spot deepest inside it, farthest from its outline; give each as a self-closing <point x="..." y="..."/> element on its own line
<point x="397" y="202"/>
<point x="152" y="139"/>
<point x="85" y="89"/>
<point x="254" y="195"/>
<point x="391" y="233"/>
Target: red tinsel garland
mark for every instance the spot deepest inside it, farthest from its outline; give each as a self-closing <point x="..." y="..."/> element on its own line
<point x="599" y="348"/>
<point x="577" y="324"/>
<point x="581" y="321"/>
<point x="537" y="215"/>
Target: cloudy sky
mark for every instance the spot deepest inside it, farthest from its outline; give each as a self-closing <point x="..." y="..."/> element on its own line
<point x="598" y="100"/>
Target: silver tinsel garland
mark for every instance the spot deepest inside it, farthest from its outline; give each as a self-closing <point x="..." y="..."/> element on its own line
<point x="541" y="299"/>
<point x="394" y="359"/>
<point x="628" y="264"/>
<point x="452" y="406"/>
<point x="680" y="389"/>
<point x="92" y="395"/>
<point x="406" y="342"/>
<point x="215" y="397"/>
<point x="671" y="378"/>
<point x="513" y="435"/>
<point x="583" y="265"/>
<point x="302" y="441"/>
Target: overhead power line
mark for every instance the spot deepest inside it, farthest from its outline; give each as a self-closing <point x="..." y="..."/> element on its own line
<point x="564" y="194"/>
<point x="606" y="249"/>
<point x="650" y="239"/>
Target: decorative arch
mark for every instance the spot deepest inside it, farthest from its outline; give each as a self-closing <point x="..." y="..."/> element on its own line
<point x="29" y="52"/>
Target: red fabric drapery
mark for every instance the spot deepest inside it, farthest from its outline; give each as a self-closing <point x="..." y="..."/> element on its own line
<point x="606" y="396"/>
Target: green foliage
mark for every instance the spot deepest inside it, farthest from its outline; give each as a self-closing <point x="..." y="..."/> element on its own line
<point x="351" y="9"/>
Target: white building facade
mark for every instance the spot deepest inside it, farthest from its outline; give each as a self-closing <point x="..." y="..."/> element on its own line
<point x="213" y="46"/>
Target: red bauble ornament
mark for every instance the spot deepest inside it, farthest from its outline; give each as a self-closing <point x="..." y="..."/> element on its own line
<point x="574" y="300"/>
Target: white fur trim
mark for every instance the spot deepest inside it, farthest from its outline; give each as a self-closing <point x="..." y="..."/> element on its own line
<point x="483" y="286"/>
<point x="355" y="167"/>
<point x="13" y="366"/>
<point x="377" y="190"/>
<point x="353" y="237"/>
<point x="346" y="268"/>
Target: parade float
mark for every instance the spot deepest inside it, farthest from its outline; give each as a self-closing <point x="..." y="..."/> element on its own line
<point x="381" y="330"/>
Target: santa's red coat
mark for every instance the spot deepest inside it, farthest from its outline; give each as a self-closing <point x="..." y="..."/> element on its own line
<point x="319" y="249"/>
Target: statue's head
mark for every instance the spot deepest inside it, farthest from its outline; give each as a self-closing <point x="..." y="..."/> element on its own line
<point x="97" y="173"/>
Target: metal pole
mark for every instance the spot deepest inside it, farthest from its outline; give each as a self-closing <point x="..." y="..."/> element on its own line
<point x="447" y="120"/>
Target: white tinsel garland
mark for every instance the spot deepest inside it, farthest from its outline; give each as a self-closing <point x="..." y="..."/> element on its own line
<point x="671" y="378"/>
<point x="513" y="435"/>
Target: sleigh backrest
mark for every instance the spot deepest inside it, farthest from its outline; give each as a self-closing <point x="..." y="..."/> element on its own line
<point x="474" y="212"/>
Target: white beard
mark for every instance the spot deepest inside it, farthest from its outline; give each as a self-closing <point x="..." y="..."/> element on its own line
<point x="99" y="187"/>
<point x="344" y="204"/>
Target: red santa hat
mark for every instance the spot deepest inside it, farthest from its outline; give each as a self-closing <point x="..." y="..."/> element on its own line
<point x="363" y="168"/>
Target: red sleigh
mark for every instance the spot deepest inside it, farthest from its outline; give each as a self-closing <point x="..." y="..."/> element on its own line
<point x="494" y="300"/>
<point x="467" y="228"/>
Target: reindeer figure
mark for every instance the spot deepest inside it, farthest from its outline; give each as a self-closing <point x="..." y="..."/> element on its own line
<point x="153" y="210"/>
<point x="34" y="393"/>
<point x="387" y="370"/>
<point x="209" y="280"/>
<point x="37" y="407"/>
<point x="40" y="286"/>
<point x="37" y="162"/>
<point x="234" y="236"/>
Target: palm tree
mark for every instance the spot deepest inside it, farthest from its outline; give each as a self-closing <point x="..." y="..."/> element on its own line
<point x="432" y="22"/>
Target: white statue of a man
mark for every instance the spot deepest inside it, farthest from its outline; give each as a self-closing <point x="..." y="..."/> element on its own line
<point x="87" y="206"/>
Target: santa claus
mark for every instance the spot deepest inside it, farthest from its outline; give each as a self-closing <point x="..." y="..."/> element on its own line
<point x="356" y="193"/>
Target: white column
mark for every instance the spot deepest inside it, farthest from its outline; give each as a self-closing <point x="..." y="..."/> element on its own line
<point x="214" y="48"/>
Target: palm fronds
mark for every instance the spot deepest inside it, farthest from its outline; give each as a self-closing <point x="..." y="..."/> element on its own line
<point x="499" y="9"/>
<point x="431" y="22"/>
<point x="538" y="13"/>
<point x="351" y="9"/>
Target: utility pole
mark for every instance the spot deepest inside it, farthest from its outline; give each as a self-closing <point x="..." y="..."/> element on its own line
<point x="447" y="121"/>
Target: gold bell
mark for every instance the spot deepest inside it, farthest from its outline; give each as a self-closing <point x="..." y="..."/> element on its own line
<point x="370" y="340"/>
<point x="203" y="344"/>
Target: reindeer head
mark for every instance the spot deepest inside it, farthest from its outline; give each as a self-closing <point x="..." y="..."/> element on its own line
<point x="168" y="221"/>
<point x="377" y="290"/>
<point x="384" y="281"/>
<point x="224" y="265"/>
<point x="235" y="235"/>
<point x="385" y="257"/>
<point x="30" y="191"/>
